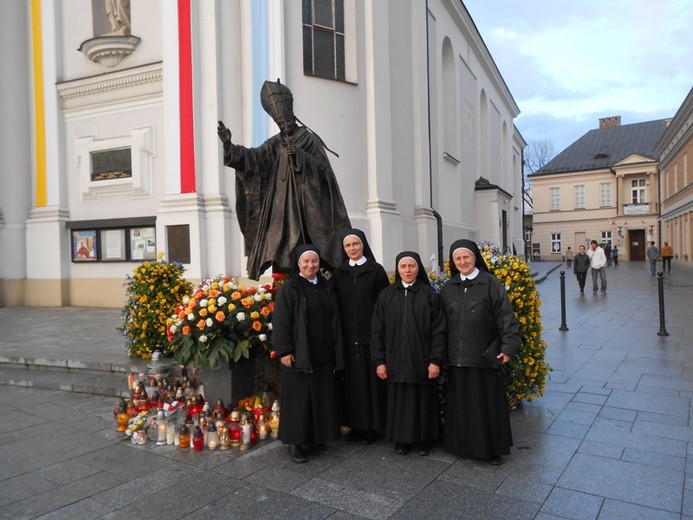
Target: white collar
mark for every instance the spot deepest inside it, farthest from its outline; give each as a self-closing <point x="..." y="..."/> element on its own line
<point x="407" y="285"/>
<point x="360" y="261"/>
<point x="314" y="281"/>
<point x="471" y="275"/>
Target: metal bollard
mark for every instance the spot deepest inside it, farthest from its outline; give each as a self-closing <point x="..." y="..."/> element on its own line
<point x="563" y="324"/>
<point x="662" y="327"/>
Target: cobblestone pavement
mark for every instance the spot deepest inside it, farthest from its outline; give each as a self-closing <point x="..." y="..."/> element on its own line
<point x="609" y="439"/>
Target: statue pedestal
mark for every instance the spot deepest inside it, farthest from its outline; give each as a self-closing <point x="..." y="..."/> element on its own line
<point x="230" y="384"/>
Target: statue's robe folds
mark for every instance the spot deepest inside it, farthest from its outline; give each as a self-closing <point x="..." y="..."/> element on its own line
<point x="281" y="205"/>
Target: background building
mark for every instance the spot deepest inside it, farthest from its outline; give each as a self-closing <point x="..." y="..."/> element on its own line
<point x="676" y="184"/>
<point x="110" y="147"/>
<point x="604" y="187"/>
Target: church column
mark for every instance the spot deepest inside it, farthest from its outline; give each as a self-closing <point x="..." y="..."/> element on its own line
<point x="16" y="174"/>
<point x="385" y="221"/>
<point x="423" y="209"/>
<point x="182" y="208"/>
<point x="47" y="239"/>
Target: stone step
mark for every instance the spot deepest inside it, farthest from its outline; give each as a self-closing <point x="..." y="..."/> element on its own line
<point x="112" y="384"/>
<point x="96" y="378"/>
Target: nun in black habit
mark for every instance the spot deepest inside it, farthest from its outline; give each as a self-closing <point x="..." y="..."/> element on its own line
<point x="306" y="336"/>
<point x="358" y="281"/>
<point x="408" y="349"/>
<point x="482" y="334"/>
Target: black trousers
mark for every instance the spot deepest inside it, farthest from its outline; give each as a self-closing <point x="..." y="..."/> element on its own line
<point x="581" y="277"/>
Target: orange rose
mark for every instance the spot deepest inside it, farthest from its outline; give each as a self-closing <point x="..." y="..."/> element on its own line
<point x="186" y="330"/>
<point x="203" y="312"/>
<point x="257" y="326"/>
<point x="201" y="324"/>
<point x="220" y="316"/>
<point x="213" y="293"/>
<point x="247" y="302"/>
<point x="265" y="311"/>
<point x="192" y="304"/>
<point x="235" y="295"/>
<point x="181" y="315"/>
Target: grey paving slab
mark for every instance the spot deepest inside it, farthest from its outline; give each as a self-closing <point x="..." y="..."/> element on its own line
<point x="182" y="498"/>
<point x="354" y="501"/>
<point x="386" y="473"/>
<point x="259" y="503"/>
<point x="616" y="510"/>
<point x="649" y="486"/>
<point x="463" y="502"/>
<point x="86" y="508"/>
<point x="568" y="503"/>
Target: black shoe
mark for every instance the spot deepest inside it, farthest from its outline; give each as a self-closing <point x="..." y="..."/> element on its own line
<point x="297" y="454"/>
<point x="422" y="449"/>
<point x="353" y="436"/>
<point x="582" y="293"/>
<point x="369" y="438"/>
<point x="401" y="448"/>
<point x="495" y="461"/>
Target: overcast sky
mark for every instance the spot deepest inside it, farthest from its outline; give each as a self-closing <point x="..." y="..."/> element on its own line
<point x="569" y="63"/>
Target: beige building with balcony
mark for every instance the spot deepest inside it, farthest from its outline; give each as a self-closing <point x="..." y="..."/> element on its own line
<point x="604" y="186"/>
<point x="674" y="149"/>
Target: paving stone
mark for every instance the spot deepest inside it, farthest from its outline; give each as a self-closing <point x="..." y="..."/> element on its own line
<point x="568" y="503"/>
<point x="385" y="473"/>
<point x="355" y="501"/>
<point x="659" y="460"/>
<point x="463" y="502"/>
<point x="621" y="414"/>
<point x="568" y="429"/>
<point x="616" y="510"/>
<point x="576" y="416"/>
<point x="644" y="485"/>
<point x="85" y="509"/>
<point x="22" y="486"/>
<point x="601" y="449"/>
<point x="181" y="498"/>
<point x="259" y="503"/>
<point x="610" y="433"/>
<point x="648" y="403"/>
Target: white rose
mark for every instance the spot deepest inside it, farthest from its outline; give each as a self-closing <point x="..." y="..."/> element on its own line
<point x="262" y="337"/>
<point x="191" y="316"/>
<point x="269" y="326"/>
<point x="257" y="297"/>
<point x="203" y="302"/>
<point x="240" y="316"/>
<point x="203" y="339"/>
<point x="173" y="329"/>
<point x="186" y="299"/>
<point x="209" y="322"/>
<point x="268" y="296"/>
<point x="221" y="300"/>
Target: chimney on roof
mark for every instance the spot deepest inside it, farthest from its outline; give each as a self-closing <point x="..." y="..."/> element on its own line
<point x="609" y="122"/>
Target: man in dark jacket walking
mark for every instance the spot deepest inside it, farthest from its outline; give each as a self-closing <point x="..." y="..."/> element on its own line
<point x="580" y="268"/>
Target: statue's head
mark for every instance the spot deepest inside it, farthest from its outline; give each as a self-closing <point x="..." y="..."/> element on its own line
<point x="278" y="102"/>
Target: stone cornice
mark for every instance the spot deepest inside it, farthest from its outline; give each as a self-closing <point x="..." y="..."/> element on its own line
<point x="113" y="81"/>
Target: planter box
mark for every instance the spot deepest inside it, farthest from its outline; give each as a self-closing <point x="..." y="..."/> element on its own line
<point x="230" y="384"/>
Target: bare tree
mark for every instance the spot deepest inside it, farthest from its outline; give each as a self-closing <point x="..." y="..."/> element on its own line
<point x="537" y="154"/>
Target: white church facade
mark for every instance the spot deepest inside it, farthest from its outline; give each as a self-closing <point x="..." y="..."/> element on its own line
<point x="111" y="156"/>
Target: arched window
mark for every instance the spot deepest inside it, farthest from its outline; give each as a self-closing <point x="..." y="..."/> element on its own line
<point x="449" y="108"/>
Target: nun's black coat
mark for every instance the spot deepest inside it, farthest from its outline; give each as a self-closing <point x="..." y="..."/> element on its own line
<point x="362" y="393"/>
<point x="305" y="323"/>
<point x="408" y="334"/>
<point x="477" y="422"/>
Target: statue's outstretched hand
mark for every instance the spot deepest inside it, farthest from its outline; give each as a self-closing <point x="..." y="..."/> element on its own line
<point x="223" y="133"/>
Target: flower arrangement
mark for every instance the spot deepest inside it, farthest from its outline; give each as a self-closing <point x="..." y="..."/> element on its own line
<point x="221" y="321"/>
<point x="153" y="291"/>
<point x="527" y="372"/>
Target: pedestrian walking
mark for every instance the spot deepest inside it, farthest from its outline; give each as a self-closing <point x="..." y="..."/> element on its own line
<point x="598" y="264"/>
<point x="667" y="255"/>
<point x="569" y="257"/>
<point x="580" y="268"/>
<point x="607" y="253"/>
<point x="653" y="255"/>
<point x="614" y="255"/>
